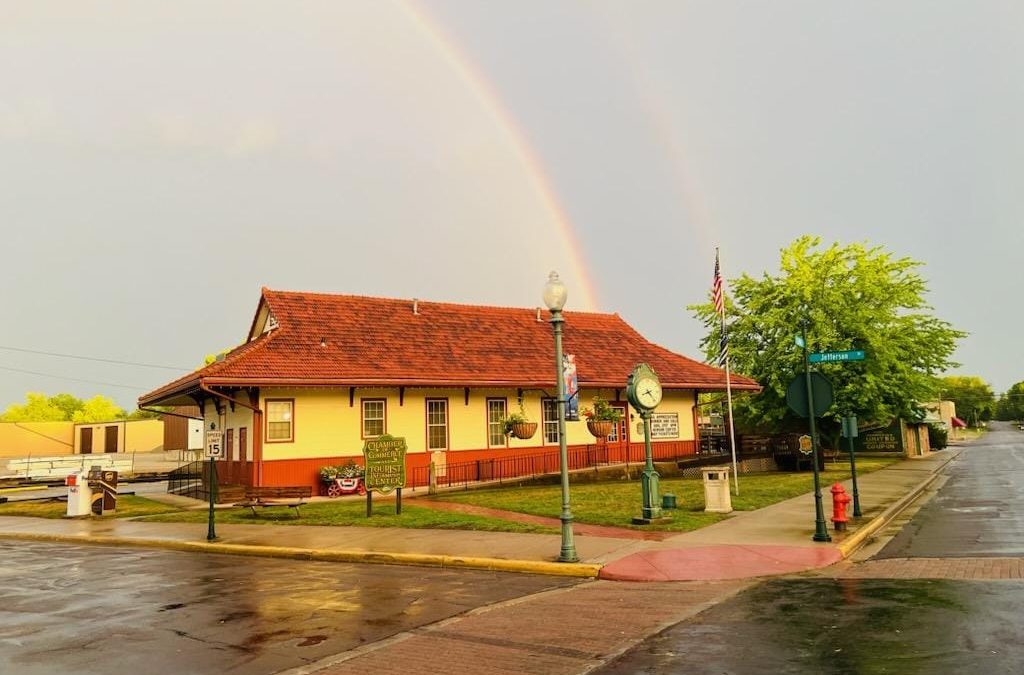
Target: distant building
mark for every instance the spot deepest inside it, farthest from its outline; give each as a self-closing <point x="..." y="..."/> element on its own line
<point x="320" y="373"/>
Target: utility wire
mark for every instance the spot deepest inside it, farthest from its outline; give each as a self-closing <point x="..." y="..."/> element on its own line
<point x="94" y="358"/>
<point x="74" y="379"/>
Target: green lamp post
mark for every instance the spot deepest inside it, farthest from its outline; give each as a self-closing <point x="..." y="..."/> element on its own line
<point x="643" y="390"/>
<point x="554" y="298"/>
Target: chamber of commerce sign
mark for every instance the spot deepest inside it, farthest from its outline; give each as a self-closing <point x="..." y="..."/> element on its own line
<point x="665" y="425"/>
<point x="384" y="460"/>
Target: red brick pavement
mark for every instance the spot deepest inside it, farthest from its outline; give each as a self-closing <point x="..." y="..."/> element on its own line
<point x="564" y="631"/>
<point x="982" y="569"/>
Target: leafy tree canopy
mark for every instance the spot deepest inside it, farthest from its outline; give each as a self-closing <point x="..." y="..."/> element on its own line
<point x="972" y="396"/>
<point x="852" y="297"/>
<point x="1011" y="404"/>
<point x="39" y="407"/>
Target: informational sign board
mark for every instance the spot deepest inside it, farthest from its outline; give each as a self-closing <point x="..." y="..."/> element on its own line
<point x="214" y="445"/>
<point x="384" y="461"/>
<point x="664" y="425"/>
<point x="806" y="444"/>
<point x="837" y="357"/>
<point x="572" y="388"/>
<point x="850" y="426"/>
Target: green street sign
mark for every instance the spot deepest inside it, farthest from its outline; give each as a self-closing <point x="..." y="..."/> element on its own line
<point x="385" y="464"/>
<point x="796" y="394"/>
<point x="837" y="357"/>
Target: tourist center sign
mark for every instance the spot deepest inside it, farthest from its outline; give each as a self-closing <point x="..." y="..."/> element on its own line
<point x="837" y="357"/>
<point x="384" y="461"/>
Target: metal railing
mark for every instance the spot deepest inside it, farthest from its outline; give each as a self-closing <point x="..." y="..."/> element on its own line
<point x="515" y="467"/>
<point x="190" y="480"/>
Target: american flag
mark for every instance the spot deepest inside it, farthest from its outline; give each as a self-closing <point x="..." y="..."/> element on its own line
<point x="716" y="289"/>
<point x="719" y="297"/>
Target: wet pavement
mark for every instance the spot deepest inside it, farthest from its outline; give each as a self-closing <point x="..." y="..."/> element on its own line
<point x="856" y="626"/>
<point x="943" y="596"/>
<point x="91" y="609"/>
<point x="979" y="511"/>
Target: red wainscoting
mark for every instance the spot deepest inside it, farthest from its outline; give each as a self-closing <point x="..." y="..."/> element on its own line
<point x="506" y="462"/>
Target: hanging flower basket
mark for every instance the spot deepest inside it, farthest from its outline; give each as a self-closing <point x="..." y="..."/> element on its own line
<point x="600" y="428"/>
<point x="524" y="430"/>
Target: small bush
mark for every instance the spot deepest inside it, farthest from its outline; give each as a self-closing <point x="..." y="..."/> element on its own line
<point x="938" y="438"/>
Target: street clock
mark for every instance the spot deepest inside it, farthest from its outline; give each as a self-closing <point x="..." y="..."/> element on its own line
<point x="643" y="388"/>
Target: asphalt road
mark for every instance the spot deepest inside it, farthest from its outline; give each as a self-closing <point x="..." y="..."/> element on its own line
<point x="979" y="512"/>
<point x="90" y="609"/>
<point x="876" y="622"/>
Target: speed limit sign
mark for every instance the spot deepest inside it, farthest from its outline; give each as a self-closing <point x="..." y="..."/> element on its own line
<point x="215" y="445"/>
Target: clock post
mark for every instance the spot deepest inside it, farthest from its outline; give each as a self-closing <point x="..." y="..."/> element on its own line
<point x="643" y="389"/>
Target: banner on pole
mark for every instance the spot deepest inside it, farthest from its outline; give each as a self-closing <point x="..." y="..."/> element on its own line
<point x="572" y="388"/>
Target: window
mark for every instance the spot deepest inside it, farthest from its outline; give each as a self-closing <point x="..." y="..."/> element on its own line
<point x="619" y="430"/>
<point x="437" y="424"/>
<point x="496" y="409"/>
<point x="550" y="417"/>
<point x="280" y="420"/>
<point x="374" y="417"/>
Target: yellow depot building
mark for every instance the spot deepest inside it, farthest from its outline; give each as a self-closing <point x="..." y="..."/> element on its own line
<point x="318" y="374"/>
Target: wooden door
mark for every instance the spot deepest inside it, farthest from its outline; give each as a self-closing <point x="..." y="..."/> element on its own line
<point x="85" y="447"/>
<point x="110" y="439"/>
<point x="242" y="442"/>
<point x="618" y="439"/>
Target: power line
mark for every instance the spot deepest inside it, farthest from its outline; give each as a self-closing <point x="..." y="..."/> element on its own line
<point x="93" y="358"/>
<point x="74" y="379"/>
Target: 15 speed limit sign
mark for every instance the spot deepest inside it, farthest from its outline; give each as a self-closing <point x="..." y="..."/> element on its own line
<point x="215" y="445"/>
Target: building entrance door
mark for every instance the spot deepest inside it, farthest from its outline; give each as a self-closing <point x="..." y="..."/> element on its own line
<point x="85" y="447"/>
<point x="618" y="439"/>
<point x="110" y="439"/>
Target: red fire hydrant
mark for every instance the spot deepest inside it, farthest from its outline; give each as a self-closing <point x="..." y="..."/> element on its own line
<point x="839" y="501"/>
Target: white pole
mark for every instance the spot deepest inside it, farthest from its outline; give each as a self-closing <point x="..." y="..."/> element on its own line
<point x="732" y="430"/>
<point x="728" y="394"/>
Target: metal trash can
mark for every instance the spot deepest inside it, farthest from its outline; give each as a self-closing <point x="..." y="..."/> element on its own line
<point x="717" y="498"/>
<point x="668" y="501"/>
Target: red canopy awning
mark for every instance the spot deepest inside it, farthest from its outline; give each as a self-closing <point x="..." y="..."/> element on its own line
<point x="958" y="423"/>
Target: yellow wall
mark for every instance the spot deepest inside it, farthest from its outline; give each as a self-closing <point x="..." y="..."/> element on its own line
<point x="136" y="436"/>
<point x="36" y="439"/>
<point x="325" y="425"/>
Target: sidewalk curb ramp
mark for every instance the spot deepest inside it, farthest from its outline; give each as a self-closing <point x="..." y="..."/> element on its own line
<point x="583" y="570"/>
<point x="851" y="544"/>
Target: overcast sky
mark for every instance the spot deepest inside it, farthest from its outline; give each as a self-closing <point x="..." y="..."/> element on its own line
<point x="160" y="162"/>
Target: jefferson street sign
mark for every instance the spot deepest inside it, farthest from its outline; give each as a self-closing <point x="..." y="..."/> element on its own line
<point x="836" y="357"/>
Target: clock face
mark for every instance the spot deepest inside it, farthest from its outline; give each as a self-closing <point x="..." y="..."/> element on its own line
<point x="647" y="392"/>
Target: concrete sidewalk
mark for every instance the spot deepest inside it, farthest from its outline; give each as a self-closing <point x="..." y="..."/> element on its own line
<point x="772" y="540"/>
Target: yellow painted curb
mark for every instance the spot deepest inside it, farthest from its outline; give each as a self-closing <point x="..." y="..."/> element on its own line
<point x="856" y="540"/>
<point x="28" y="488"/>
<point x="582" y="570"/>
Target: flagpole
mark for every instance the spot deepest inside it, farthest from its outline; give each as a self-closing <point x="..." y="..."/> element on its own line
<point x="728" y="383"/>
<point x="732" y="429"/>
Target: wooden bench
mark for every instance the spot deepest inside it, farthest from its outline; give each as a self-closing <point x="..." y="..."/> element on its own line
<point x="292" y="497"/>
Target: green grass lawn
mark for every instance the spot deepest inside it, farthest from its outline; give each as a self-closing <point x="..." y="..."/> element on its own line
<point x="617" y="503"/>
<point x="128" y="506"/>
<point x="353" y="513"/>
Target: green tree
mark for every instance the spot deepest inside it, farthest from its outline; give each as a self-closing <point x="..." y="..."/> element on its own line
<point x="852" y="297"/>
<point x="37" y="408"/>
<point x="973" y="397"/>
<point x="98" y="409"/>
<point x="68" y="403"/>
<point x="1011" y="404"/>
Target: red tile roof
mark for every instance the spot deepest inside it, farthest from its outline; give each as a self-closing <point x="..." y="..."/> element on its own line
<point x="377" y="341"/>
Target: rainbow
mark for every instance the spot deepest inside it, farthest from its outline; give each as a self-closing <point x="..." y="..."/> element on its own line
<point x="539" y="180"/>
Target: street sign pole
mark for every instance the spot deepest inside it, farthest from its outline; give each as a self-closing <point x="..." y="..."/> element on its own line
<point x="850" y="422"/>
<point x="211" y="534"/>
<point x="820" y="532"/>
